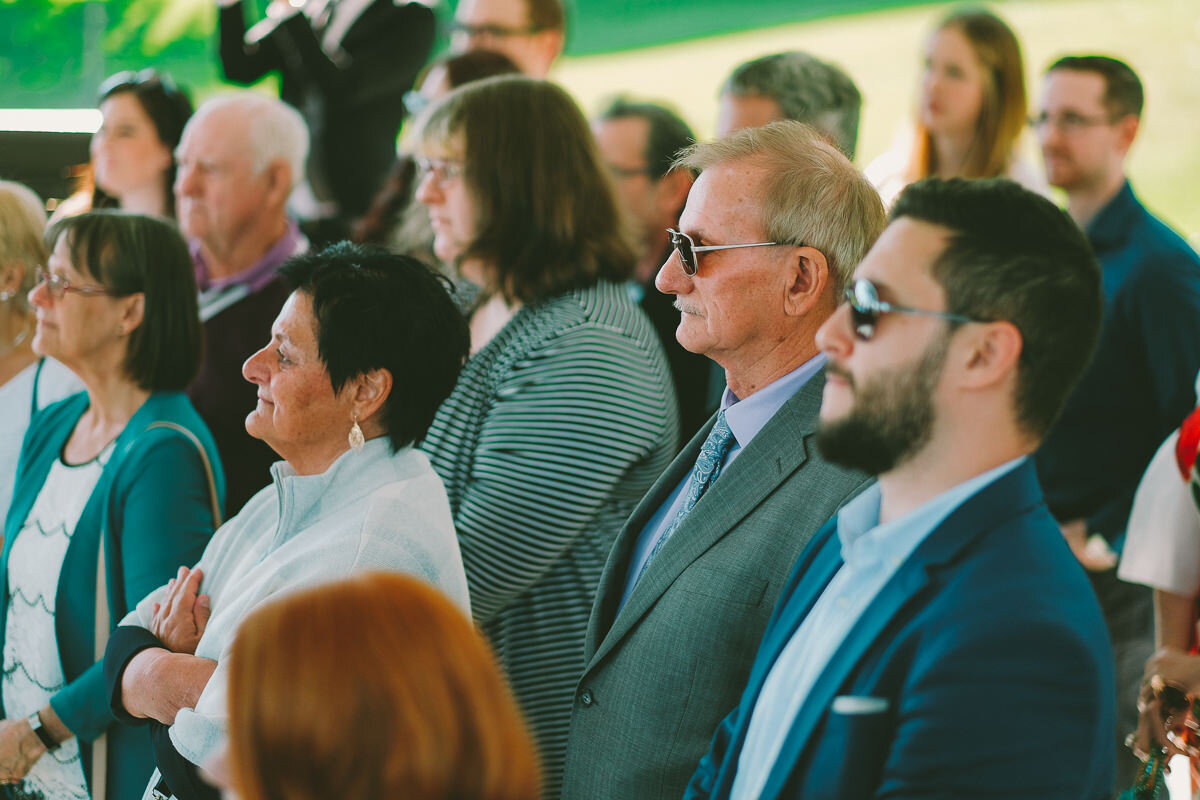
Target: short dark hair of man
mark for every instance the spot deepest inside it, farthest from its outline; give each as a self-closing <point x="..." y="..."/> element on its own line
<point x="1015" y="256"/>
<point x="668" y="133"/>
<point x="130" y="254"/>
<point x="546" y="215"/>
<point x="546" y="15"/>
<point x="1123" y="94"/>
<point x="380" y="310"/>
<point x="807" y="90"/>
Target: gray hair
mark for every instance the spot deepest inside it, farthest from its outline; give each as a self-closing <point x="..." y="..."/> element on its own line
<point x="807" y="90"/>
<point x="811" y="193"/>
<point x="22" y="223"/>
<point x="275" y="130"/>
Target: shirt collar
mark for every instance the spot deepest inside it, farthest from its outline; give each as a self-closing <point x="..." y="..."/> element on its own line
<point x="1111" y="224"/>
<point x="865" y="540"/>
<point x="747" y="417"/>
<point x="261" y="272"/>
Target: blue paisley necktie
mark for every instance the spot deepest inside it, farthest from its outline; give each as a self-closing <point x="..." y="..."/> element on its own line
<point x="708" y="467"/>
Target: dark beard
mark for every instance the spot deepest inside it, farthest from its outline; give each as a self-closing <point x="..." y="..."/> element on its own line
<point x="891" y="419"/>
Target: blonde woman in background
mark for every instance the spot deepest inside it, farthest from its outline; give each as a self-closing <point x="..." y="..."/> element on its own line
<point x="971" y="112"/>
<point x="27" y="382"/>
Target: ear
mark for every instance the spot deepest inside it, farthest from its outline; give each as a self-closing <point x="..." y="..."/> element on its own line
<point x="992" y="355"/>
<point x="133" y="313"/>
<point x="1127" y="128"/>
<point x="370" y="390"/>
<point x="11" y="275"/>
<point x="278" y="175"/>
<point x="552" y="45"/>
<point x="808" y="280"/>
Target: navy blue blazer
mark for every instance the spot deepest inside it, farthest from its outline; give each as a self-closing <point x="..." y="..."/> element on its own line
<point x="989" y="649"/>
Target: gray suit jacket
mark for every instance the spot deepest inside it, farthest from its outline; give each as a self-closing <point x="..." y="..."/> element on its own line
<point x="663" y="673"/>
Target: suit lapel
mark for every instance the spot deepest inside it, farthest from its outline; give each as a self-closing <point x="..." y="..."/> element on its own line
<point x="1013" y="494"/>
<point x="778" y="450"/>
<point x="612" y="579"/>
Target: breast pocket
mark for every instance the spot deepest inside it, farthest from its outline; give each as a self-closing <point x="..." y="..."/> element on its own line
<point x="854" y="745"/>
<point x="740" y="589"/>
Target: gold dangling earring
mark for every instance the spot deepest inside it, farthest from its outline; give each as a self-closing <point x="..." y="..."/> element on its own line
<point x="356" y="438"/>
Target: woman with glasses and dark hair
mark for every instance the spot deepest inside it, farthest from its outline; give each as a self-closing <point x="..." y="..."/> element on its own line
<point x="971" y="112"/>
<point x="365" y="349"/>
<point x="565" y="413"/>
<point x="115" y="488"/>
<point x="394" y="220"/>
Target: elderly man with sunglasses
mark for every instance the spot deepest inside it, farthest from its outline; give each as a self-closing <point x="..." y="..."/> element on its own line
<point x="774" y="225"/>
<point x="937" y="638"/>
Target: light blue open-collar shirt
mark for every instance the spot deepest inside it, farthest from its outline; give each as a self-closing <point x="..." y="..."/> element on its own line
<point x="745" y="419"/>
<point x="872" y="553"/>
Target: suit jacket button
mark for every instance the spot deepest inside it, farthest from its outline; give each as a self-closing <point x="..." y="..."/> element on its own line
<point x="585" y="697"/>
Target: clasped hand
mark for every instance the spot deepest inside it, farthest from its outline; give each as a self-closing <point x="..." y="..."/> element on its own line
<point x="181" y="616"/>
<point x="1164" y="705"/>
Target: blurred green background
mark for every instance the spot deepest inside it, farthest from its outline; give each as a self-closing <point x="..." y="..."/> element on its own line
<point x="53" y="54"/>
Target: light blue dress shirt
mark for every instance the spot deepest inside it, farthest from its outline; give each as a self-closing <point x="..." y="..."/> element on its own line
<point x="872" y="553"/>
<point x="745" y="419"/>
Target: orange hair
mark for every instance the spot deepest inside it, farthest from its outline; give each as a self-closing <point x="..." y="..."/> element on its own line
<point x="1002" y="117"/>
<point x="372" y="687"/>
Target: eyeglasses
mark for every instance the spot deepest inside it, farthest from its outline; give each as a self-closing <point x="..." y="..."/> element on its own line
<point x="442" y="169"/>
<point x="58" y="286"/>
<point x="866" y="308"/>
<point x="469" y="31"/>
<point x="687" y="248"/>
<point x="1069" y="122"/>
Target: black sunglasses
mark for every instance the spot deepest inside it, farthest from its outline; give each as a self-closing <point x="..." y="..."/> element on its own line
<point x="866" y="308"/>
<point x="688" y="249"/>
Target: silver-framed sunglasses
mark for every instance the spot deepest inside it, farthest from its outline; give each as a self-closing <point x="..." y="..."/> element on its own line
<point x="687" y="249"/>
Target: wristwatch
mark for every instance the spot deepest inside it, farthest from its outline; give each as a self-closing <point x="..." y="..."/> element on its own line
<point x="35" y="722"/>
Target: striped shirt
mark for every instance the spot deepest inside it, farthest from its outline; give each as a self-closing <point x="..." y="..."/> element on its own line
<point x="556" y="429"/>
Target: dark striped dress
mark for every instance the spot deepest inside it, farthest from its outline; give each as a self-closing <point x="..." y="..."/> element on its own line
<point x="556" y="429"/>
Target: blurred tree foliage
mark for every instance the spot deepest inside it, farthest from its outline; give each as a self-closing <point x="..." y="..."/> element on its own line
<point x="55" y="53"/>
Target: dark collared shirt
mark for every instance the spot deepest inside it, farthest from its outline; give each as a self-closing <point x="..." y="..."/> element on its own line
<point x="1139" y="386"/>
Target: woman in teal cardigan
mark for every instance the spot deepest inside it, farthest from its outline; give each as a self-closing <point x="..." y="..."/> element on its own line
<point x="116" y="488"/>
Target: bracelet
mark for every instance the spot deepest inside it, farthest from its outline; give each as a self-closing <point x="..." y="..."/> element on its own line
<point x="35" y="722"/>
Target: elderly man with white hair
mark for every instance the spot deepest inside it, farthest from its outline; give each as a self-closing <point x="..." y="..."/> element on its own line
<point x="239" y="158"/>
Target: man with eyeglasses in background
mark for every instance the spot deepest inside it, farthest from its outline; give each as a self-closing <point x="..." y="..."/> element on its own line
<point x="530" y="32"/>
<point x="639" y="142"/>
<point x="1140" y="384"/>
<point x="937" y="638"/>
<point x="773" y="226"/>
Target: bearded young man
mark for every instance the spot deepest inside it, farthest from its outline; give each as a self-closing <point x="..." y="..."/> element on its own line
<point x="937" y="637"/>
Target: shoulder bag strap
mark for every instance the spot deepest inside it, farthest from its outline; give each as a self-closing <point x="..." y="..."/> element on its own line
<point x="214" y="502"/>
<point x="100" y="745"/>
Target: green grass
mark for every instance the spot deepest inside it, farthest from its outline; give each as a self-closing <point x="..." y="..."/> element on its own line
<point x="1159" y="38"/>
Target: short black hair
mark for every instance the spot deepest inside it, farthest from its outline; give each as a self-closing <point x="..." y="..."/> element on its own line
<point x="1015" y="256"/>
<point x="130" y="254"/>
<point x="381" y="310"/>
<point x="668" y="133"/>
<point x="1123" y="93"/>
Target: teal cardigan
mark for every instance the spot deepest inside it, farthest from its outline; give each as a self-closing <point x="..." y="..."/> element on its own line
<point x="152" y="505"/>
